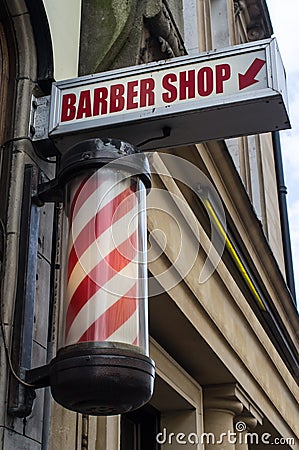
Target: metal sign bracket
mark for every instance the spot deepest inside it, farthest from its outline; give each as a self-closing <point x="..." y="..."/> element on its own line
<point x="39" y="126"/>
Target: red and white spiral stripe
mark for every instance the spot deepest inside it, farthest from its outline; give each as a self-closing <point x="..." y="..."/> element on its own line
<point x="102" y="269"/>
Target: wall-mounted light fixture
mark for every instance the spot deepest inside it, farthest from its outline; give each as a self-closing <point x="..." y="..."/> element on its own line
<point x="102" y="365"/>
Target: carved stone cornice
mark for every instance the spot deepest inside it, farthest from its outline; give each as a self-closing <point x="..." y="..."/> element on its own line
<point x="223" y="404"/>
<point x="259" y="25"/>
<point x="222" y="398"/>
<point x="256" y="17"/>
<point x="110" y="34"/>
<point x="250" y="421"/>
<point x="162" y="26"/>
<point x="231" y="397"/>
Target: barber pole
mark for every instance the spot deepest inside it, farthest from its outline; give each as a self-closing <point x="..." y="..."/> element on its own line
<point x="102" y="270"/>
<point x="102" y="365"/>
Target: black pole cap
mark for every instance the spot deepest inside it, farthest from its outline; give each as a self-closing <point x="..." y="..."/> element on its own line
<point x="101" y="378"/>
<point x="95" y="153"/>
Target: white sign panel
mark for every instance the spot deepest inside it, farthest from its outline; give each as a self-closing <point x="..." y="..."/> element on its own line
<point x="219" y="94"/>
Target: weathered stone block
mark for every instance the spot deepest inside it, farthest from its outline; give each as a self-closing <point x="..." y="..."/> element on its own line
<point x="41" y="311"/>
<point x="15" y="441"/>
<point x="45" y="230"/>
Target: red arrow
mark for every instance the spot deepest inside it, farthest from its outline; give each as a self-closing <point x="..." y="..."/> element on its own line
<point x="249" y="76"/>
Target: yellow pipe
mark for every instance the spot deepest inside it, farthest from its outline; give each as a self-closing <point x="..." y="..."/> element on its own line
<point x="234" y="255"/>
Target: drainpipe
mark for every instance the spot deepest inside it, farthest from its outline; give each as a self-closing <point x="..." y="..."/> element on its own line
<point x="285" y="230"/>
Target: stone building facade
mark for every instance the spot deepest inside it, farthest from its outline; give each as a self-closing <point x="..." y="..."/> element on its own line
<point x="226" y="349"/>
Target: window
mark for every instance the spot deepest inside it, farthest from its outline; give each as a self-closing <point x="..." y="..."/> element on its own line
<point x="139" y="429"/>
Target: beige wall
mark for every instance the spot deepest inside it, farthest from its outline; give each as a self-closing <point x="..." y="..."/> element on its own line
<point x="65" y="31"/>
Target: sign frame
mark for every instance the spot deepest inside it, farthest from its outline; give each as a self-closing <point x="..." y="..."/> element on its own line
<point x="141" y="126"/>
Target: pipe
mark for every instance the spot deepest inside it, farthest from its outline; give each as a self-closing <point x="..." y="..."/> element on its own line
<point x="285" y="230"/>
<point x="230" y="247"/>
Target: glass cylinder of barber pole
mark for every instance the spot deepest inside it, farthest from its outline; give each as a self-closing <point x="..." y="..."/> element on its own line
<point x="102" y="366"/>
